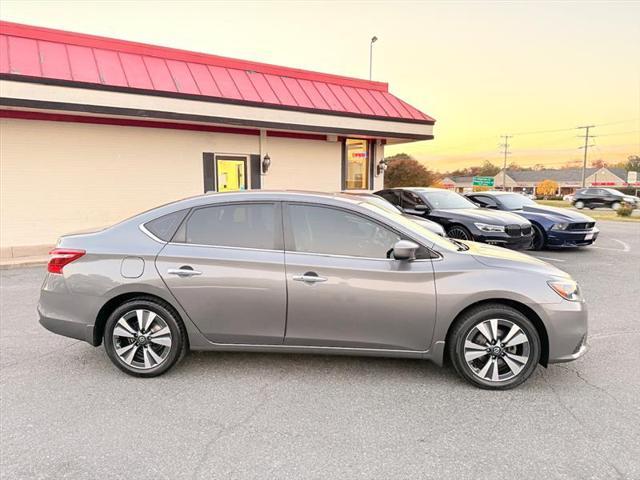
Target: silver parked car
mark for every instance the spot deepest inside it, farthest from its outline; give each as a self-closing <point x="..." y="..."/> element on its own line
<point x="303" y="272"/>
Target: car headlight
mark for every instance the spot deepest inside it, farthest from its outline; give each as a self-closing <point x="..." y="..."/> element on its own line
<point x="485" y="227"/>
<point x="560" y="226"/>
<point x="567" y="289"/>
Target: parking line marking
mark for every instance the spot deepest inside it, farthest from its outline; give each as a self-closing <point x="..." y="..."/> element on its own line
<point x="625" y="248"/>
<point x="550" y="259"/>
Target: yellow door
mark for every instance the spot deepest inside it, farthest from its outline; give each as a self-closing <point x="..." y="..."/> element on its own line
<point x="231" y="175"/>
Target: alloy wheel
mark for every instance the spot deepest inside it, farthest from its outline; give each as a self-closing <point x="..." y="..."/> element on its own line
<point x="497" y="350"/>
<point x="142" y="339"/>
<point x="458" y="233"/>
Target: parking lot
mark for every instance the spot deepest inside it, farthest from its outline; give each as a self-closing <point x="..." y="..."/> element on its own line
<point x="67" y="412"/>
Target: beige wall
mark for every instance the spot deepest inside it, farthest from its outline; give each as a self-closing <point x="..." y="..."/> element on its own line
<point x="60" y="177"/>
<point x="603" y="175"/>
<point x="303" y="165"/>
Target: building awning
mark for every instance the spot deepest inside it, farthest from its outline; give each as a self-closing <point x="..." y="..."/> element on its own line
<point x="59" y="58"/>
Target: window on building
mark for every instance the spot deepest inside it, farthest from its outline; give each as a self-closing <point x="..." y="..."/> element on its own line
<point x="357" y="164"/>
<point x="240" y="225"/>
<point x="331" y="231"/>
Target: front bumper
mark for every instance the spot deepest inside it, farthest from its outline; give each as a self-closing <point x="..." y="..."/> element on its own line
<point x="571" y="238"/>
<point x="520" y="242"/>
<point x="567" y="329"/>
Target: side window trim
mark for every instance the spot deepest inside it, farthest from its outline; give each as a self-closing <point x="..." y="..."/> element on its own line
<point x="278" y="227"/>
<point x="289" y="244"/>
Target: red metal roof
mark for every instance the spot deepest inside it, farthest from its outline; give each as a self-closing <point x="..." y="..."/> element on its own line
<point x="43" y="54"/>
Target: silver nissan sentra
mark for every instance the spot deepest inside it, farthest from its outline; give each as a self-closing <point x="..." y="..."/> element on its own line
<point x="308" y="272"/>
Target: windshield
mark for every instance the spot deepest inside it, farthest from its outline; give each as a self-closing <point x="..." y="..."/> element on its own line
<point x="445" y="199"/>
<point x="617" y="193"/>
<point x="515" y="201"/>
<point x="411" y="225"/>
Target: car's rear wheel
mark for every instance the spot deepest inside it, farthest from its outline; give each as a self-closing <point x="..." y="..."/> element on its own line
<point x="144" y="337"/>
<point x="579" y="204"/>
<point x="538" y="241"/>
<point x="494" y="347"/>
<point x="459" y="232"/>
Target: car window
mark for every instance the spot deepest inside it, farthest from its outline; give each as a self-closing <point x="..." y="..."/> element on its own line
<point x="445" y="199"/>
<point x="410" y="199"/>
<point x="516" y="201"/>
<point x="392" y="196"/>
<point x="233" y="225"/>
<point x="164" y="227"/>
<point x="484" y="201"/>
<point x="326" y="230"/>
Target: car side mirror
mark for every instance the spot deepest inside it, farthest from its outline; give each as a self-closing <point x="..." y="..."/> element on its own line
<point x="417" y="210"/>
<point x="405" y="250"/>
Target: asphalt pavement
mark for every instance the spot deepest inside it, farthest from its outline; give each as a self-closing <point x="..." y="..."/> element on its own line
<point x="66" y="412"/>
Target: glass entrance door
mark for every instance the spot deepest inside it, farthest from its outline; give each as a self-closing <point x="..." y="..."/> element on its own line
<point x="231" y="173"/>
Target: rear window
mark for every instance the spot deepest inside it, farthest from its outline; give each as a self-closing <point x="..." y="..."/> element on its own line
<point x="164" y="227"/>
<point x="235" y="225"/>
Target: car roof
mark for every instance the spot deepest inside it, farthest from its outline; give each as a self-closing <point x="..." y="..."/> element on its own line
<point x="250" y="195"/>
<point x="420" y="189"/>
<point x="492" y="192"/>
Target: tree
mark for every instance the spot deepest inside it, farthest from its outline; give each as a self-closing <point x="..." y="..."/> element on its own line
<point x="404" y="171"/>
<point x="547" y="188"/>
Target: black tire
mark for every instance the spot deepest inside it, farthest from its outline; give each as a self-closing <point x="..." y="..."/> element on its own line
<point x="616" y="206"/>
<point x="539" y="238"/>
<point x="459" y="232"/>
<point x="468" y="321"/>
<point x="179" y="342"/>
<point x="579" y="204"/>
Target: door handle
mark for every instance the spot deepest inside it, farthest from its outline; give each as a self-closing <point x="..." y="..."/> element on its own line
<point x="184" y="272"/>
<point x="309" y="277"/>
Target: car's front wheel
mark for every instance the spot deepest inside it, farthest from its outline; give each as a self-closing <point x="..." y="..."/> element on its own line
<point x="538" y="238"/>
<point x="494" y="346"/>
<point x="459" y="232"/>
<point x="144" y="337"/>
<point x="616" y="205"/>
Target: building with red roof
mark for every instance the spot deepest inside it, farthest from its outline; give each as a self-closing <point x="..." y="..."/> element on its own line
<point x="95" y="129"/>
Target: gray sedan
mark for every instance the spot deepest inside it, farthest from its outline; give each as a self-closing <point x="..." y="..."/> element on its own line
<point x="303" y="272"/>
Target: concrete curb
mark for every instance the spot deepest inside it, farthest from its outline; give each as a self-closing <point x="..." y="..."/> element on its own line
<point x="8" y="264"/>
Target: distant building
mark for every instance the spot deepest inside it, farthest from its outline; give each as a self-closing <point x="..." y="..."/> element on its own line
<point x="568" y="179"/>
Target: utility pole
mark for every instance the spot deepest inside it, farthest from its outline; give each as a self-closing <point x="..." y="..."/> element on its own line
<point x="586" y="146"/>
<point x="505" y="151"/>
<point x="374" y="39"/>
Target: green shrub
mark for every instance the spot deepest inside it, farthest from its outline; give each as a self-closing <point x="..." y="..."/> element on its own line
<point x="625" y="210"/>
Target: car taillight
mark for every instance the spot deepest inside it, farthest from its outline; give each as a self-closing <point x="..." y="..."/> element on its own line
<point x="61" y="257"/>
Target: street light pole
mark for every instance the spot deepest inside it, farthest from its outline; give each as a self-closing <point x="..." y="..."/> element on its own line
<point x="374" y="39"/>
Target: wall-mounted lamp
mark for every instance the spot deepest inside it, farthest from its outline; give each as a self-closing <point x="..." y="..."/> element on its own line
<point x="381" y="167"/>
<point x="266" y="163"/>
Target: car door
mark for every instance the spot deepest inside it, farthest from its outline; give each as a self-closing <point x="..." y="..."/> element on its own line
<point x="225" y="265"/>
<point x="343" y="291"/>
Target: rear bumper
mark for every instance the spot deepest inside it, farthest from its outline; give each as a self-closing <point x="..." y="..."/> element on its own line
<point x="68" y="328"/>
<point x="569" y="239"/>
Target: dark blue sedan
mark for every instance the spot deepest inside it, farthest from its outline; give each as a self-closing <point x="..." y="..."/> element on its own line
<point x="552" y="227"/>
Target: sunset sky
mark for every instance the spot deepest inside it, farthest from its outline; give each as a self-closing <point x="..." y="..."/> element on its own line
<point x="482" y="69"/>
